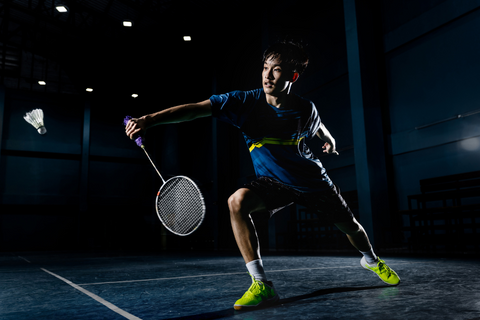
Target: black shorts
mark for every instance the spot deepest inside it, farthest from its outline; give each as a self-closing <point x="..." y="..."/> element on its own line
<point x="329" y="204"/>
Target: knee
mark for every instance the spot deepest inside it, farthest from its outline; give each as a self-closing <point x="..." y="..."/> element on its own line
<point x="235" y="202"/>
<point x="240" y="204"/>
<point x="244" y="202"/>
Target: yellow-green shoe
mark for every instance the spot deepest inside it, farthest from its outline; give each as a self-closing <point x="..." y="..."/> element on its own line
<point x="384" y="272"/>
<point x="259" y="294"/>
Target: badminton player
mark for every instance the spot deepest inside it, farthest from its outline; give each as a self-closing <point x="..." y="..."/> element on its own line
<point x="276" y="125"/>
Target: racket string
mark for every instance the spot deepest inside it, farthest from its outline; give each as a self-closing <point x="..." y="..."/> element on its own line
<point x="180" y="205"/>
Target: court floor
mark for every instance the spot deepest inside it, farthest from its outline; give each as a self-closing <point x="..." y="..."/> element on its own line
<point x="205" y="286"/>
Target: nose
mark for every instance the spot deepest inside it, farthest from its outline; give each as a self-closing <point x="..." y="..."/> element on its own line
<point x="269" y="74"/>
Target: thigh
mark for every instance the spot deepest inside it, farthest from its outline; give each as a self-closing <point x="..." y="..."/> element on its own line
<point x="274" y="194"/>
<point x="329" y="206"/>
<point x="247" y="201"/>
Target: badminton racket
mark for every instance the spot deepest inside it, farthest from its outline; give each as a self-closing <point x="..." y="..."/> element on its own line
<point x="179" y="204"/>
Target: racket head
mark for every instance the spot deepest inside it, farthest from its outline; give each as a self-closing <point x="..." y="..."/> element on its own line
<point x="180" y="205"/>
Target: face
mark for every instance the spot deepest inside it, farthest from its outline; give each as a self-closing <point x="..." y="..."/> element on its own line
<point x="276" y="80"/>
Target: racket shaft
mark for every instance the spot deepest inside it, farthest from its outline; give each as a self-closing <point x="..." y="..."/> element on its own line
<point x="153" y="164"/>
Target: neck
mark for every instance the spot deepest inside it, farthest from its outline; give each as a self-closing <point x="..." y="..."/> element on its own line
<point x="278" y="100"/>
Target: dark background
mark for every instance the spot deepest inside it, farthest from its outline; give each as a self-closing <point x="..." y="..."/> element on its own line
<point x="389" y="78"/>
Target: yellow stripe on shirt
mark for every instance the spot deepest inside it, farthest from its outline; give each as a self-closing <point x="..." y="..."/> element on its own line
<point x="264" y="141"/>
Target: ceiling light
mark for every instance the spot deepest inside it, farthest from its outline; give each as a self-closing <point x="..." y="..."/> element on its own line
<point x="42" y="83"/>
<point x="127" y="23"/>
<point x="89" y="89"/>
<point x="134" y="95"/>
<point x="61" y="8"/>
<point x="187" y="38"/>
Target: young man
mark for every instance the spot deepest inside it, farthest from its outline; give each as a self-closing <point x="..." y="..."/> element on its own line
<point x="276" y="124"/>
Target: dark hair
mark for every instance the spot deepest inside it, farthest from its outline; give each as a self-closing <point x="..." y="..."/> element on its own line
<point x="291" y="54"/>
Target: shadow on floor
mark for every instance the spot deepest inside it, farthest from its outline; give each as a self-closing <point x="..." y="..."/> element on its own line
<point x="231" y="312"/>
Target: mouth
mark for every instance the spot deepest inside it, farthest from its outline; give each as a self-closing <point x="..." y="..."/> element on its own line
<point x="268" y="84"/>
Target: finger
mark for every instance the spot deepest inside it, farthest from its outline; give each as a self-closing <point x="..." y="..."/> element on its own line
<point x="135" y="132"/>
<point x="131" y="133"/>
<point x="128" y="130"/>
<point x="131" y="127"/>
<point x="130" y="124"/>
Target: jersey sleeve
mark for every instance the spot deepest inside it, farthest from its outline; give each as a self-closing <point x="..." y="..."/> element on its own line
<point x="313" y="124"/>
<point x="232" y="107"/>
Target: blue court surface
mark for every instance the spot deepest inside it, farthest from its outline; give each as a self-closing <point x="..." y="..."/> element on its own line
<point x="205" y="286"/>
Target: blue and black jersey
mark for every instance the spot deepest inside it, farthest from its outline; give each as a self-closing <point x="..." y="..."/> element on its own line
<point x="276" y="137"/>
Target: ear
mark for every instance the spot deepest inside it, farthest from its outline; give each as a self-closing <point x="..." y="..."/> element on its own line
<point x="295" y="77"/>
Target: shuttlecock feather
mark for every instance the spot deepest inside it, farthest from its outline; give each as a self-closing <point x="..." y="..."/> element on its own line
<point x="35" y="118"/>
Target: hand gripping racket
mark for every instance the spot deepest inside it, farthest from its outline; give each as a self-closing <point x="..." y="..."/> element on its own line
<point x="180" y="205"/>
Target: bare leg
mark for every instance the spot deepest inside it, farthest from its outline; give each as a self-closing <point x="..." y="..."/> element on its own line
<point x="359" y="239"/>
<point x="356" y="234"/>
<point x="241" y="204"/>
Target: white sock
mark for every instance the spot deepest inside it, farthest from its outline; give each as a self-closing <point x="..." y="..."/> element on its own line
<point x="370" y="257"/>
<point x="255" y="268"/>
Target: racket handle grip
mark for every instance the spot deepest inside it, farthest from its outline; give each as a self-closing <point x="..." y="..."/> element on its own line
<point x="138" y="138"/>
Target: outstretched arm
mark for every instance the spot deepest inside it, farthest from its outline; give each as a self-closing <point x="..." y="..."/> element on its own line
<point x="324" y="134"/>
<point x="176" y="114"/>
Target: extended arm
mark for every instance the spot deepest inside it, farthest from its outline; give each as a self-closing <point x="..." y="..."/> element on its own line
<point x="176" y="114"/>
<point x="324" y="134"/>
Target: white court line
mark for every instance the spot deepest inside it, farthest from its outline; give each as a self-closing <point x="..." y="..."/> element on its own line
<point x="202" y="275"/>
<point x="159" y="279"/>
<point x="220" y="274"/>
<point x="24" y="259"/>
<point x="95" y="297"/>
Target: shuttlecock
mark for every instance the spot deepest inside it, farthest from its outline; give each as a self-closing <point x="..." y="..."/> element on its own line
<point x="35" y="118"/>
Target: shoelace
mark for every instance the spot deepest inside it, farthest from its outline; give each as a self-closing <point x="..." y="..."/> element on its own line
<point x="256" y="288"/>
<point x="256" y="285"/>
<point x="251" y="290"/>
<point x="383" y="268"/>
